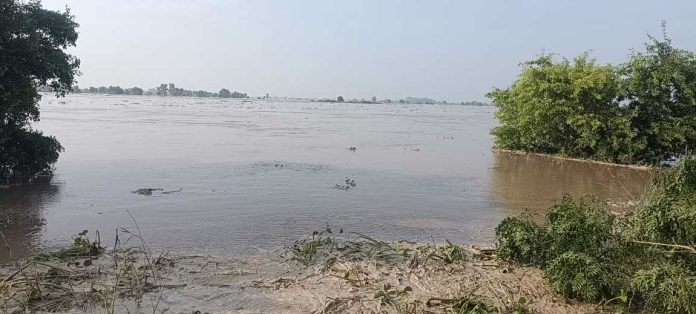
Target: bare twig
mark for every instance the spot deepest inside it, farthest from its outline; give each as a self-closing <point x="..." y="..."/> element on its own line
<point x="690" y="249"/>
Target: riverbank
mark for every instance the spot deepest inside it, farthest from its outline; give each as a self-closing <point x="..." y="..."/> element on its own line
<point x="584" y="160"/>
<point x="325" y="273"/>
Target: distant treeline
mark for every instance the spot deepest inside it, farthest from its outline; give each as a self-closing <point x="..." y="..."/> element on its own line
<point x="162" y="90"/>
<point x="407" y="100"/>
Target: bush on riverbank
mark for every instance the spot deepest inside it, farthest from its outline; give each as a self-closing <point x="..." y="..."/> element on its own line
<point x="645" y="260"/>
<point x="639" y="112"/>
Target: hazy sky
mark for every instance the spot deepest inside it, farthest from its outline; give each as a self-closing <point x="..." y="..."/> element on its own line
<point x="453" y="50"/>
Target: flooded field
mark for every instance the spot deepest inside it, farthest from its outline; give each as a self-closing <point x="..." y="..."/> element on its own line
<point x="242" y="176"/>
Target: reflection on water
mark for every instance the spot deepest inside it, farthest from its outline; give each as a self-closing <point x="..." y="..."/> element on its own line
<point x="257" y="175"/>
<point x="22" y="217"/>
<point x="533" y="182"/>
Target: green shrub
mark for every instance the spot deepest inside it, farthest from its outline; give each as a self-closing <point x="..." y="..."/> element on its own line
<point x="522" y="241"/>
<point x="642" y="111"/>
<point x="665" y="287"/>
<point x="667" y="213"/>
<point x="578" y="226"/>
<point x="588" y="254"/>
<point x="578" y="275"/>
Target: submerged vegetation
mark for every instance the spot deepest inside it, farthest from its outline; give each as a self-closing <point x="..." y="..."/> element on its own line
<point x="640" y="112"/>
<point x="645" y="260"/>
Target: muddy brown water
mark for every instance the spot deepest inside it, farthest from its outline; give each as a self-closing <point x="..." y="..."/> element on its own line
<point x="248" y="175"/>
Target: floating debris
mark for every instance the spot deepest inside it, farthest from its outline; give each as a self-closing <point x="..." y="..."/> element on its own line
<point x="146" y="191"/>
<point x="349" y="183"/>
<point x="173" y="191"/>
<point x="150" y="191"/>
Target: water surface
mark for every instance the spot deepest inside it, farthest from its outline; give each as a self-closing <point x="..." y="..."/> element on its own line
<point x="249" y="175"/>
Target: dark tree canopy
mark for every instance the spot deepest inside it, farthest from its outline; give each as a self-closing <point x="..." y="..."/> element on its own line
<point x="32" y="54"/>
<point x="225" y="93"/>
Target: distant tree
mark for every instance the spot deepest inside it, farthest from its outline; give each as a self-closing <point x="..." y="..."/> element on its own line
<point x="76" y="89"/>
<point x="136" y="91"/>
<point x="162" y="90"/>
<point x="116" y="90"/>
<point x="32" y="55"/>
<point x="340" y="99"/>
<point x="236" y="94"/>
<point x="225" y="93"/>
<point x="374" y="99"/>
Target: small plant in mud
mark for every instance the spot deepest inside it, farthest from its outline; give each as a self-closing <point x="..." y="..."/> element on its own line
<point x="352" y="148"/>
<point x="349" y="184"/>
<point x="449" y="253"/>
<point x="81" y="247"/>
<point x="304" y="251"/>
<point x="392" y="296"/>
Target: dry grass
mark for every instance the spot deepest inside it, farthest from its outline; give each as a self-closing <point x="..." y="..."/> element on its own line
<point x="85" y="277"/>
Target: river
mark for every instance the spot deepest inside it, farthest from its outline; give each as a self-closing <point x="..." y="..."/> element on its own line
<point x="242" y="176"/>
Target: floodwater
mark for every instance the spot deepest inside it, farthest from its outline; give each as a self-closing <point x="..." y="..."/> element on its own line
<point x="242" y="176"/>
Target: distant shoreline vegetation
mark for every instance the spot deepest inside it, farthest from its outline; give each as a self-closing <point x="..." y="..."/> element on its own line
<point x="407" y="100"/>
<point x="162" y="90"/>
<point x="170" y="90"/>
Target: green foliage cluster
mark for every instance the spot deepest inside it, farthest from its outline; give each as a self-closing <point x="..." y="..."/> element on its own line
<point x="640" y="112"/>
<point x="305" y="250"/>
<point x="645" y="260"/>
<point x="81" y="246"/>
<point x="32" y="45"/>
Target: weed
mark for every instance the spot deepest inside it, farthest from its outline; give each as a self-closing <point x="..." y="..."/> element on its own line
<point x="80" y="247"/>
<point x="578" y="275"/>
<point x="522" y="241"/>
<point x="392" y="296"/>
<point x="448" y="253"/>
<point x="666" y="287"/>
<point x="304" y="251"/>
